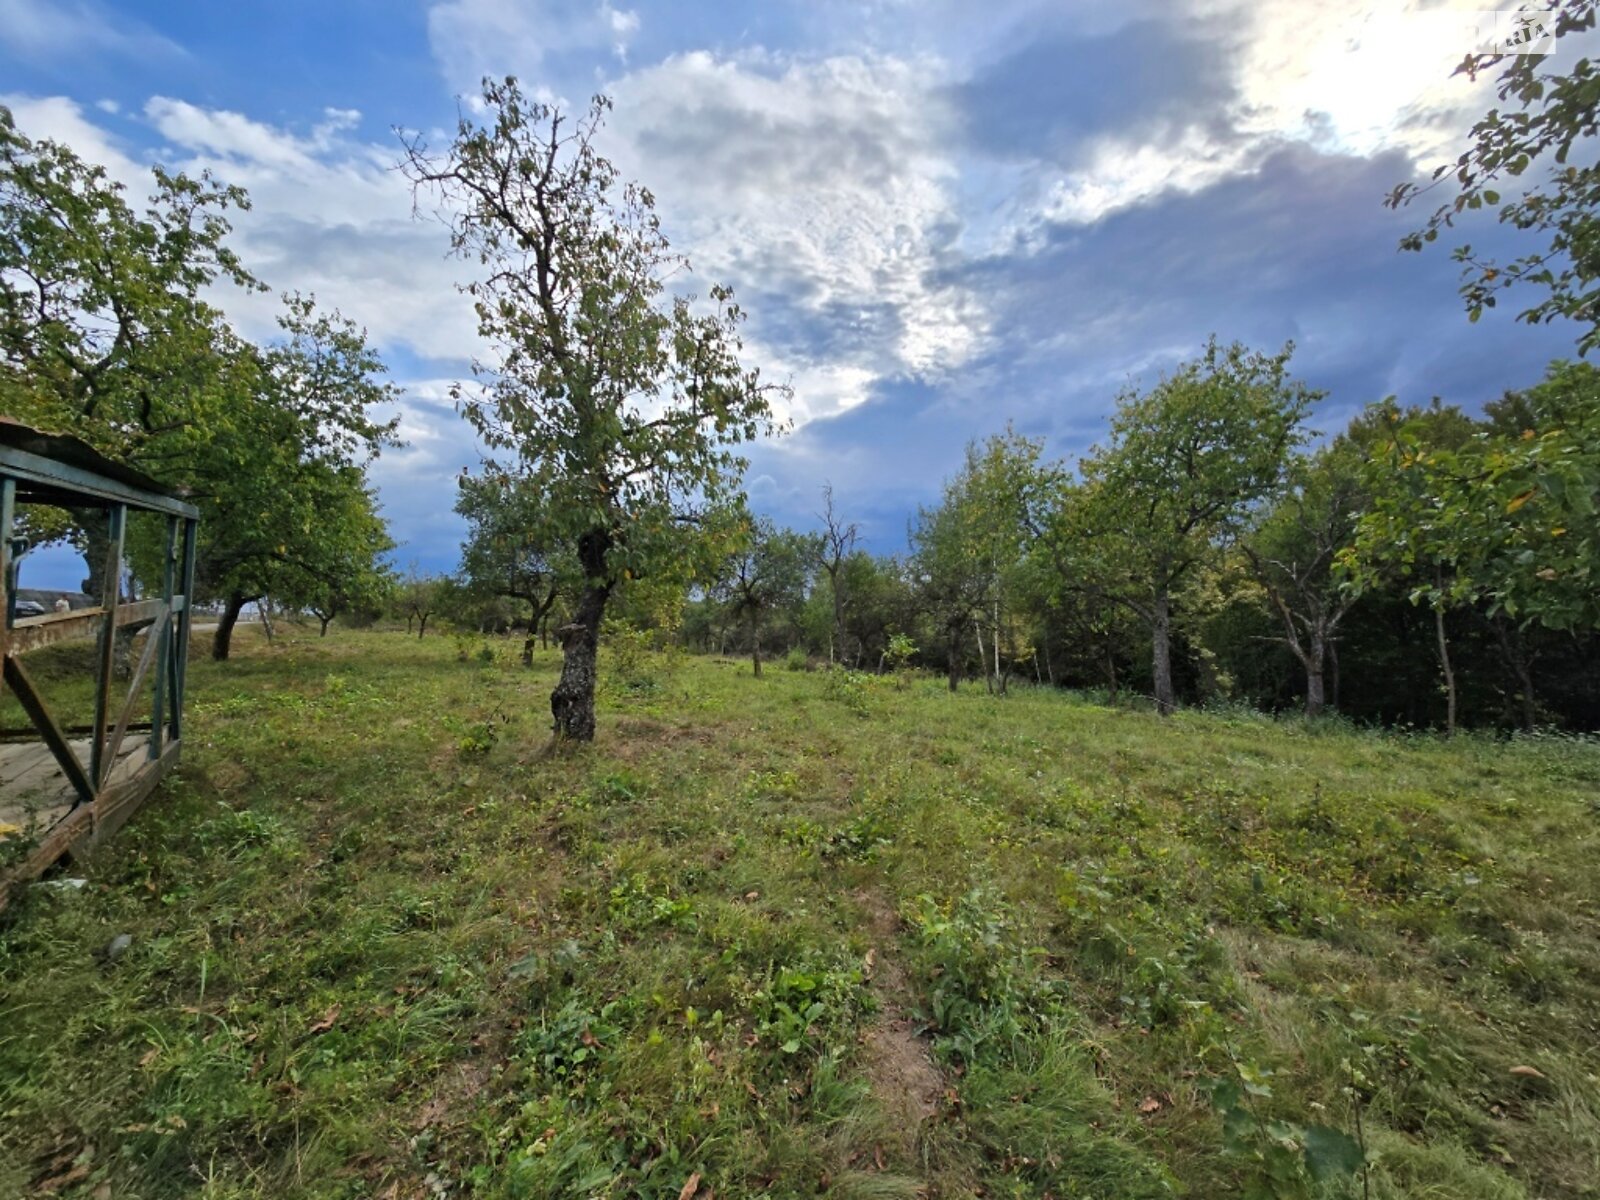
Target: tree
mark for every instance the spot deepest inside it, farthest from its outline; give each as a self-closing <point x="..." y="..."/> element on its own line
<point x="421" y="596"/>
<point x="1551" y="119"/>
<point x="1184" y="464"/>
<point x="281" y="481"/>
<point x="766" y="571"/>
<point x="1505" y="521"/>
<point x="104" y="333"/>
<point x="510" y="549"/>
<point x="1293" y="551"/>
<point x="950" y="574"/>
<point x="834" y="545"/>
<point x="354" y="577"/>
<point x="624" y="398"/>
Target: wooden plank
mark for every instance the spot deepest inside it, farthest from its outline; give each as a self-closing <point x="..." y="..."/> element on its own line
<point x="88" y="825"/>
<point x="34" y="633"/>
<point x="27" y="733"/>
<point x="151" y="644"/>
<point x="127" y="794"/>
<point x="164" y="663"/>
<point x="180" y="654"/>
<point x="28" y="696"/>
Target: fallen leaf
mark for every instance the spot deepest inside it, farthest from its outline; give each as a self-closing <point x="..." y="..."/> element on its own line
<point x="588" y="1039"/>
<point x="1150" y="1104"/>
<point x="149" y="1056"/>
<point x="328" y="1018"/>
<point x="1528" y="1072"/>
<point x="870" y="963"/>
<point x="55" y="1183"/>
<point x="690" y="1187"/>
<point x="752" y="895"/>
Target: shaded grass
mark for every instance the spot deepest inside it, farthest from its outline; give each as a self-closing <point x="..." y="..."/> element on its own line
<point x="381" y="946"/>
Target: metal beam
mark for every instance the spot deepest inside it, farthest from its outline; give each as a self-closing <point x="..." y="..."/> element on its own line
<point x="8" y="507"/>
<point x="26" y="467"/>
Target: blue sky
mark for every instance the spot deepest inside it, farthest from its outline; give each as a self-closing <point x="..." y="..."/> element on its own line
<point x="942" y="216"/>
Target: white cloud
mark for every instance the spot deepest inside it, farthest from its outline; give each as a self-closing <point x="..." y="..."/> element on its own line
<point x="474" y="38"/>
<point x="68" y="28"/>
<point x="824" y="185"/>
<point x="1345" y="76"/>
<point x="329" y="216"/>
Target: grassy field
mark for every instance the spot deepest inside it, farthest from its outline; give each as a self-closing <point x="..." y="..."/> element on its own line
<point x="805" y="935"/>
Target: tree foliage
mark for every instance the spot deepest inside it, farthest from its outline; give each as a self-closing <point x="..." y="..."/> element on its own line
<point x="623" y="397"/>
<point x="1546" y="126"/>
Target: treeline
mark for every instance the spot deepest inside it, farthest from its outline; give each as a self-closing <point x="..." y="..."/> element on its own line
<point x="109" y="332"/>
<point x="1422" y="567"/>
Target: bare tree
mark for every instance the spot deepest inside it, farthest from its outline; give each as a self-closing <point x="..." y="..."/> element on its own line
<point x="835" y="544"/>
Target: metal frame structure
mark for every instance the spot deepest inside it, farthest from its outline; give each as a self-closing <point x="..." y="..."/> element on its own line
<point x="41" y="468"/>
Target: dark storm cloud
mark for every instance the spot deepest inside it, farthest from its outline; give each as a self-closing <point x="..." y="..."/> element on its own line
<point x="1301" y="249"/>
<point x="1059" y="87"/>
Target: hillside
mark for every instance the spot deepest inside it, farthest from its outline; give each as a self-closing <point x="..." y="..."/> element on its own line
<point x="804" y="935"/>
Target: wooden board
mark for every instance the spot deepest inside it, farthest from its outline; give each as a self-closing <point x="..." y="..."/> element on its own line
<point x="35" y="796"/>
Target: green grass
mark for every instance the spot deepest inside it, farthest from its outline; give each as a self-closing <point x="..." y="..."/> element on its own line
<point x="382" y="947"/>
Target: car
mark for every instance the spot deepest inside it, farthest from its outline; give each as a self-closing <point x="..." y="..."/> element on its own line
<point x="30" y="608"/>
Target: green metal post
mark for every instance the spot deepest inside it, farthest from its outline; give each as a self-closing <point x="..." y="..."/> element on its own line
<point x="180" y="674"/>
<point x="8" y="508"/>
<point x="164" y="654"/>
<point x="110" y="591"/>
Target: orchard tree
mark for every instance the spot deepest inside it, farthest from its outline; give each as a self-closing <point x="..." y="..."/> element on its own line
<point x="624" y="397"/>
<point x="104" y="331"/>
<point x="1539" y="151"/>
<point x="766" y="572"/>
<point x="1293" y="551"/>
<point x="834" y="545"/>
<point x="1505" y="523"/>
<point x="511" y="550"/>
<point x="106" y="334"/>
<point x="1184" y="465"/>
<point x="280" y="481"/>
<point x="951" y="575"/>
<point x="353" y="576"/>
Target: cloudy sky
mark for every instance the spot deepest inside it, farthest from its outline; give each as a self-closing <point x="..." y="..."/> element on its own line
<point x="943" y="215"/>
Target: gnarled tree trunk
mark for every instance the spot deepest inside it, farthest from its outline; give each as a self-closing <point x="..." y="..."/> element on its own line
<point x="222" y="643"/>
<point x="572" y="702"/>
<point x="1161" y="652"/>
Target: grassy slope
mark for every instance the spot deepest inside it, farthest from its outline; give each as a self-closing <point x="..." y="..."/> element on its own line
<point x="373" y="957"/>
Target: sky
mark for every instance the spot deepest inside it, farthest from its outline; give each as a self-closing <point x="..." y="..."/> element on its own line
<point x="941" y="215"/>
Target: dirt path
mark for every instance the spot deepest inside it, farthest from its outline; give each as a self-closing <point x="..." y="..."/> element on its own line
<point x="900" y="1064"/>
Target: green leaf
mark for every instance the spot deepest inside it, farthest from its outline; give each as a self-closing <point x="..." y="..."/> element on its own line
<point x="1331" y="1153"/>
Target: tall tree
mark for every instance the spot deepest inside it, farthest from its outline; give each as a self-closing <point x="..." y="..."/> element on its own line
<point x="626" y="398"/>
<point x="1547" y="125"/>
<point x="1183" y="466"/>
<point x="105" y="333"/>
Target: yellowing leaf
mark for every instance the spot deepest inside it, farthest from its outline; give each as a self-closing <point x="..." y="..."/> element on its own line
<point x="1517" y="502"/>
